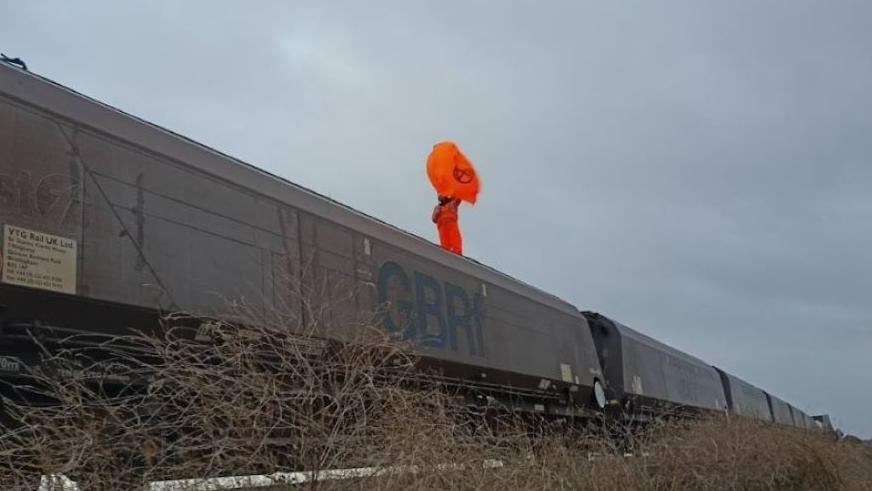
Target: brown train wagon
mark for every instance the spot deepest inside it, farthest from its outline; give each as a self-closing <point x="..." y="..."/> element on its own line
<point x="122" y="219"/>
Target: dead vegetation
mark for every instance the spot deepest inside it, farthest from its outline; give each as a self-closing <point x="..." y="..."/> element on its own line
<point x="204" y="398"/>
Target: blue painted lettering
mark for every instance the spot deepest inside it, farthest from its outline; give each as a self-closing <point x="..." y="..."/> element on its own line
<point x="396" y="292"/>
<point x="429" y="297"/>
<point x="439" y="314"/>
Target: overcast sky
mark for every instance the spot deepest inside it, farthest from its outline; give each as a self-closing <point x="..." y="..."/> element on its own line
<point x="701" y="171"/>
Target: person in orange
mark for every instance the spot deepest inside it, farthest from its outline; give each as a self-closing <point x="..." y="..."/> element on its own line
<point x="445" y="217"/>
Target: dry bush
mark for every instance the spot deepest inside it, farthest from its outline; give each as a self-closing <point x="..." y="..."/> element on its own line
<point x="221" y="398"/>
<point x="263" y="392"/>
<point x="260" y="391"/>
<point x="708" y="453"/>
<point x="746" y="454"/>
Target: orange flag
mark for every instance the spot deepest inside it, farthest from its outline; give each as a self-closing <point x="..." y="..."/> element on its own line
<point x="451" y="173"/>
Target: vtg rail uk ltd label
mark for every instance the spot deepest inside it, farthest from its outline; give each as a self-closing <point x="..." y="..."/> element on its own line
<point x="38" y="260"/>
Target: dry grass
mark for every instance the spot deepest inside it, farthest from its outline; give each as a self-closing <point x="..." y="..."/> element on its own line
<point x="706" y="454"/>
<point x="222" y="399"/>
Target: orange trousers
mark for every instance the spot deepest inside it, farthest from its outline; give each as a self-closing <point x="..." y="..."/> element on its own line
<point x="449" y="236"/>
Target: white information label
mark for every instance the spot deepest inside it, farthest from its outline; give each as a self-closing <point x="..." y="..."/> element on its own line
<point x="39" y="260"/>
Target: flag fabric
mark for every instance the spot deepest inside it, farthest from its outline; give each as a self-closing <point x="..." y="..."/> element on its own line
<point x="451" y="173"/>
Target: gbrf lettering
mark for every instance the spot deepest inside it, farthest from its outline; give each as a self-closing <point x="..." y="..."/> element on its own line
<point x="434" y="313"/>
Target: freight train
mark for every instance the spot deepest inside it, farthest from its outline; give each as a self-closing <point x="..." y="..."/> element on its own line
<point x="108" y="221"/>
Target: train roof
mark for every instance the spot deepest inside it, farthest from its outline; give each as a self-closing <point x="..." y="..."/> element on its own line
<point x="68" y="104"/>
